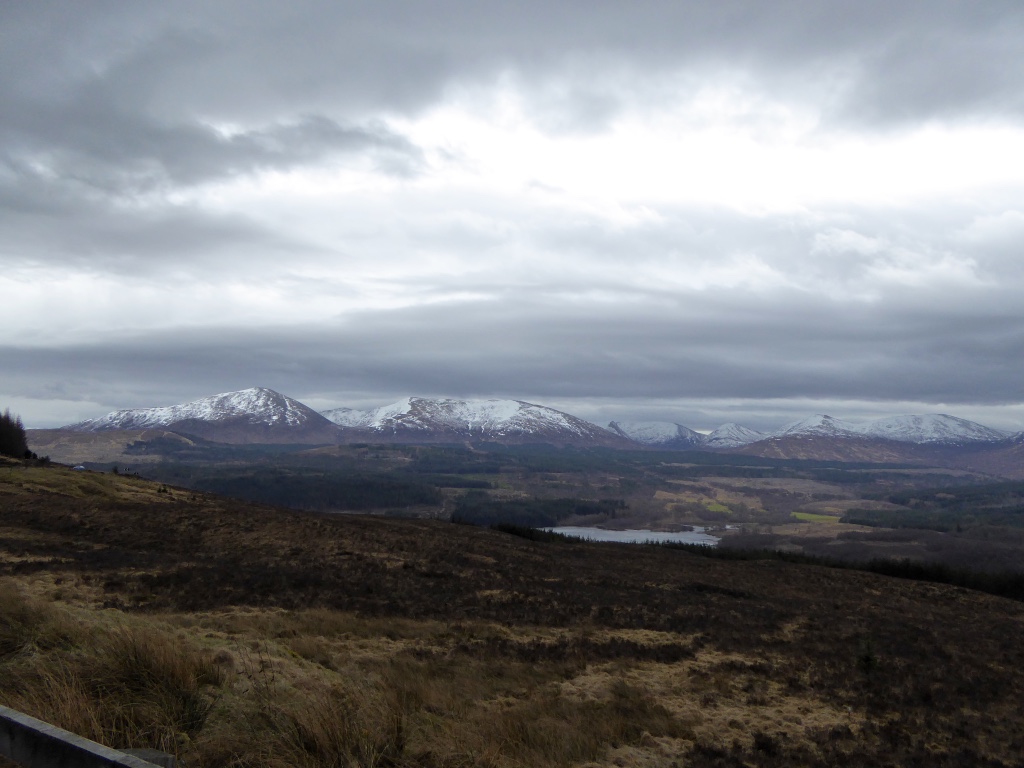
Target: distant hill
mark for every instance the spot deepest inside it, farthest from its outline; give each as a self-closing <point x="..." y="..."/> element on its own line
<point x="127" y="446"/>
<point x="660" y="434"/>
<point x="931" y="428"/>
<point x="933" y="439"/>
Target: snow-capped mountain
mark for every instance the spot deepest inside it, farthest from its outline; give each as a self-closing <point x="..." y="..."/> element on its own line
<point x="250" y="415"/>
<point x="931" y="428"/>
<point x="669" y="434"/>
<point x="826" y="432"/>
<point x="499" y="420"/>
<point x="818" y="425"/>
<point x="346" y="417"/>
<point x="660" y="434"/>
<point x="260" y="415"/>
<point x="928" y="428"/>
<point x="257" y="404"/>
<point x="914" y="439"/>
<point x="732" y="436"/>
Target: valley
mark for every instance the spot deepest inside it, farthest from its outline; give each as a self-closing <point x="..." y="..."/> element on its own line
<point x="845" y="510"/>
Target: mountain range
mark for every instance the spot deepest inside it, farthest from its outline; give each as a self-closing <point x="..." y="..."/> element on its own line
<point x="260" y="415"/>
<point x="932" y="428"/>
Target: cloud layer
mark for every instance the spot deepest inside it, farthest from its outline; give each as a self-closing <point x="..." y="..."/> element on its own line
<point x="685" y="211"/>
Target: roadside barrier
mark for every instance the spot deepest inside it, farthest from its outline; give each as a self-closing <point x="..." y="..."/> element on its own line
<point x="35" y="744"/>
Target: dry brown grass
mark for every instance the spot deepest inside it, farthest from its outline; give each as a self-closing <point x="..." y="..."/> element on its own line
<point x="312" y="688"/>
<point x="97" y="447"/>
<point x="257" y="687"/>
<point x="82" y="486"/>
<point x="108" y="677"/>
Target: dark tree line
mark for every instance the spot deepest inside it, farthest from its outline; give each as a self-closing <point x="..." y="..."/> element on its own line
<point x="13" y="442"/>
<point x="320" y="490"/>
<point x="478" y="508"/>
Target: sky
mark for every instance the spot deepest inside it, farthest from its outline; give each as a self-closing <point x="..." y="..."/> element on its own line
<point x="657" y="210"/>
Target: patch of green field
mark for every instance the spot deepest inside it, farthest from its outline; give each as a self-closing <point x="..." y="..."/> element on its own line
<point x="714" y="506"/>
<point x="812" y="517"/>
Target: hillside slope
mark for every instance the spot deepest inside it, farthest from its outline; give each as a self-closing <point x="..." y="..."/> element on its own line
<point x="752" y="662"/>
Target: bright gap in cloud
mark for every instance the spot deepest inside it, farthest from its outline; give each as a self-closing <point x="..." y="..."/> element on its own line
<point x="88" y="308"/>
<point x="726" y="149"/>
<point x="722" y="147"/>
<point x="505" y="203"/>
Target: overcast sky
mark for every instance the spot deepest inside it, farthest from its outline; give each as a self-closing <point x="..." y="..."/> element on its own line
<point x="692" y="211"/>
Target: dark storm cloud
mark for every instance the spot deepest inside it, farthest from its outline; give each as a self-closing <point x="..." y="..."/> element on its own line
<point x="68" y="63"/>
<point x="90" y="123"/>
<point x="93" y="146"/>
<point x="84" y="136"/>
<point x="703" y="350"/>
<point x="49" y="228"/>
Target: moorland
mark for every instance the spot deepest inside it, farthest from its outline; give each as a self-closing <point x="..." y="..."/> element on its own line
<point x="160" y="611"/>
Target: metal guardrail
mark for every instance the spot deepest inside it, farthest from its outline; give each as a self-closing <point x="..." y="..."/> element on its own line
<point x="35" y="744"/>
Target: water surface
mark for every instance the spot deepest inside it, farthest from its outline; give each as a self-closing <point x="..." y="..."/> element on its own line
<point x="696" y="536"/>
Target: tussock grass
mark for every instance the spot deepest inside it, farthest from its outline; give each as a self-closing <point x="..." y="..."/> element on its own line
<point x="117" y="681"/>
<point x="320" y="688"/>
<point x="20" y="620"/>
<point x="330" y="689"/>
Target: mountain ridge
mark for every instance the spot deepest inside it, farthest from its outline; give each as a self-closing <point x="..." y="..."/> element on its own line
<point x="920" y="429"/>
<point x="495" y="419"/>
<point x="261" y="415"/>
